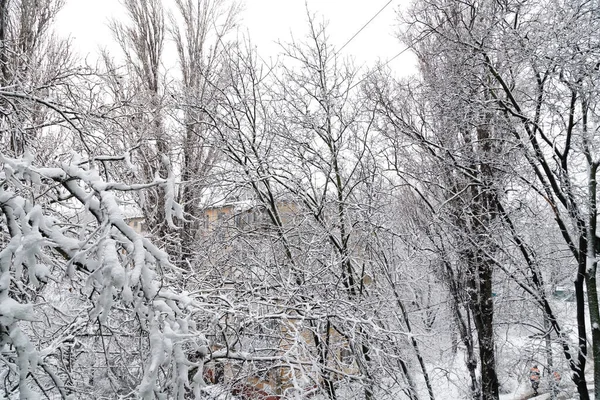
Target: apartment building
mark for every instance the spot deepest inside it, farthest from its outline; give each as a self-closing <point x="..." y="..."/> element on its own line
<point x="291" y="338"/>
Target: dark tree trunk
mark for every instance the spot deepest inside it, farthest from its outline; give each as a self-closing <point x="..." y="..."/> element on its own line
<point x="578" y="374"/>
<point x="482" y="307"/>
<point x="464" y="328"/>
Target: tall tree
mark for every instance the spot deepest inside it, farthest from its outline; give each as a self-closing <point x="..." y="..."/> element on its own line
<point x="487" y="70"/>
<point x="34" y="64"/>
<point x="202" y="50"/>
<point x="299" y="137"/>
<point x="141" y="39"/>
<point x="548" y="95"/>
<point x="463" y="143"/>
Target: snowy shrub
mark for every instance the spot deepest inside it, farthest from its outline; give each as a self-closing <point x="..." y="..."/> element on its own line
<point x="88" y="307"/>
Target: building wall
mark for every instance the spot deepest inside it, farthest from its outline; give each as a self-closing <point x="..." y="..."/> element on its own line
<point x="137" y="223"/>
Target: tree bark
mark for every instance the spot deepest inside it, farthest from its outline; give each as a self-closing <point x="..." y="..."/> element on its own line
<point x="482" y="307"/>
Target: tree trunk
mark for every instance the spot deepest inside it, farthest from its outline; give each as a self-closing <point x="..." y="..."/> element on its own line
<point x="592" y="264"/>
<point x="578" y="375"/>
<point x="549" y="370"/>
<point x="482" y="307"/>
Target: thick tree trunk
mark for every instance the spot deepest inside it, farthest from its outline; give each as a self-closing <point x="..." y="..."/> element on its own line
<point x="188" y="198"/>
<point x="595" y="323"/>
<point x="578" y="375"/>
<point x="592" y="265"/>
<point x="482" y="307"/>
<point x="592" y="292"/>
<point x="463" y="323"/>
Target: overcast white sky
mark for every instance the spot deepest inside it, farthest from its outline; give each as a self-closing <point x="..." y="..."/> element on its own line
<point x="268" y="21"/>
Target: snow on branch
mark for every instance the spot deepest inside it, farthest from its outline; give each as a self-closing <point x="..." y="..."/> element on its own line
<point x="120" y="269"/>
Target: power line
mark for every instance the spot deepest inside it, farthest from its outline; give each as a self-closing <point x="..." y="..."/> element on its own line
<point x="383" y="65"/>
<point x="410" y="46"/>
<point x="364" y="26"/>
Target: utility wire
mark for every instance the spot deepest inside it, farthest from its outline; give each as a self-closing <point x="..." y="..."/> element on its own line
<point x="364" y="26"/>
<point x="387" y="62"/>
<point x="408" y="47"/>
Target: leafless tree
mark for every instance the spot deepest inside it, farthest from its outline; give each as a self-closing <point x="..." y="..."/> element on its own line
<point x="201" y="40"/>
<point x="34" y="64"/>
<point x="142" y="42"/>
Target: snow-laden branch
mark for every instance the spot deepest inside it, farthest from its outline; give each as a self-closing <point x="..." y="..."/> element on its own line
<point x="122" y="268"/>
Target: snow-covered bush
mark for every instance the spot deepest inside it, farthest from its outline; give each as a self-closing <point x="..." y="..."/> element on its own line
<point x="88" y="307"/>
